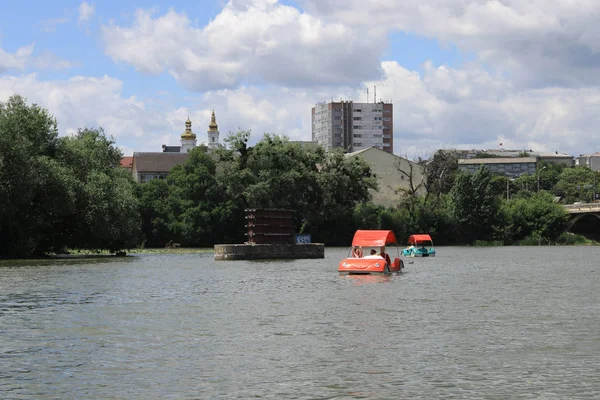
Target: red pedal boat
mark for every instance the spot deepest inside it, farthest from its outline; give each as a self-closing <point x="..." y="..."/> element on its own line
<point x="360" y="261"/>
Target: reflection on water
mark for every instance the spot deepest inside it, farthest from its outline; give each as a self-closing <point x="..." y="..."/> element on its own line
<point x="492" y="323"/>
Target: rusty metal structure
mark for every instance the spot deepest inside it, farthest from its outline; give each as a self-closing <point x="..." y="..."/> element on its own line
<point x="270" y="226"/>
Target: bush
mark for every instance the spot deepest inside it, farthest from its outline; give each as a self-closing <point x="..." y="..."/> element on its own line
<point x="568" y="238"/>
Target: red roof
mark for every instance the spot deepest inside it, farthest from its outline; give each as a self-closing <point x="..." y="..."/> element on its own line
<point x="127" y="162"/>
<point x="422" y="237"/>
<point x="373" y="238"/>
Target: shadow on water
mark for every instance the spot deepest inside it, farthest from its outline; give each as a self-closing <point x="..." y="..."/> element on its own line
<point x="369" y="279"/>
<point x="65" y="260"/>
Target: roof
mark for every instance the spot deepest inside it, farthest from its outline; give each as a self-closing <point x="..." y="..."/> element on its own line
<point x="355" y="153"/>
<point x="421" y="237"/>
<point x="554" y="155"/>
<point x="157" y="162"/>
<point x="127" y="162"/>
<point x="171" y="149"/>
<point x="373" y="238"/>
<point x="498" y="160"/>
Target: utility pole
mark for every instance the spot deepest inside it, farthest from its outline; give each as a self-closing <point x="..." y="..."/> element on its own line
<point x="539" y="172"/>
<point x="594" y="198"/>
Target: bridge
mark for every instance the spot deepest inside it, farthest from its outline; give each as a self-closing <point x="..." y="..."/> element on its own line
<point x="584" y="208"/>
<point x="585" y="219"/>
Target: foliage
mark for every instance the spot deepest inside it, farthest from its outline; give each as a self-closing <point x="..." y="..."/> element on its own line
<point x="56" y="192"/>
<point x="440" y="172"/>
<point x="575" y="184"/>
<point x="567" y="238"/>
<point x="535" y="217"/>
<point x="202" y="202"/>
<point x="476" y="208"/>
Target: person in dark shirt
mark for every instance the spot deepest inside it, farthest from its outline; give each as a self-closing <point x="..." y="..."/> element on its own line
<point x="383" y="254"/>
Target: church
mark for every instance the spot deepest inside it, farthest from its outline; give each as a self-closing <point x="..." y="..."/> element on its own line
<point x="146" y="166"/>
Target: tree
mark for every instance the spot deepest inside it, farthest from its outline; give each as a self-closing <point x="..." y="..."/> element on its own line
<point x="476" y="208"/>
<point x="106" y="214"/>
<point x="575" y="184"/>
<point x="58" y="193"/>
<point x="537" y="217"/>
<point x="440" y="171"/>
<point x="32" y="194"/>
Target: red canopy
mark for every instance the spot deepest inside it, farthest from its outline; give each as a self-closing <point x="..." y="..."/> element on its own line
<point x="423" y="237"/>
<point x="373" y="238"/>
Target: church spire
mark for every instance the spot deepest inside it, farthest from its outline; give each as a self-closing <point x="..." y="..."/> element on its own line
<point x="212" y="127"/>
<point x="213" y="132"/>
<point x="188" y="134"/>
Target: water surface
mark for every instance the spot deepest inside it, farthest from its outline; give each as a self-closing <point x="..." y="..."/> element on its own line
<point x="478" y="323"/>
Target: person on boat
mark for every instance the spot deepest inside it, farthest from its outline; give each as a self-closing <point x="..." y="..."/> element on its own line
<point x="385" y="255"/>
<point x="357" y="252"/>
<point x="373" y="254"/>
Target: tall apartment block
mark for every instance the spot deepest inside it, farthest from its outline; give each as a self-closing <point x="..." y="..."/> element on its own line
<point x="353" y="126"/>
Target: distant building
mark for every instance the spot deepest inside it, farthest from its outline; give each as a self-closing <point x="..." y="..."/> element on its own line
<point x="213" y="132"/>
<point x="354" y="126"/>
<point x="549" y="157"/>
<point x="149" y="166"/>
<point x="127" y="162"/>
<point x="509" y="166"/>
<point x="592" y="161"/>
<point x="392" y="182"/>
<point x="146" y="166"/>
<point x="555" y="158"/>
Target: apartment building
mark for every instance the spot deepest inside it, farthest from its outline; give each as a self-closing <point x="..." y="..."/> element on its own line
<point x="592" y="161"/>
<point x="354" y="126"/>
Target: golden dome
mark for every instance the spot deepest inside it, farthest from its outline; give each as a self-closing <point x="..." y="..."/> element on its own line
<point x="188" y="134"/>
<point x="213" y="127"/>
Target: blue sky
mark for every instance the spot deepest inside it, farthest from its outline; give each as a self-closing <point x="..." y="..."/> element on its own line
<point x="461" y="73"/>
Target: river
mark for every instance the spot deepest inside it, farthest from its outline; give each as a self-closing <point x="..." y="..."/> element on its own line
<point x="477" y="323"/>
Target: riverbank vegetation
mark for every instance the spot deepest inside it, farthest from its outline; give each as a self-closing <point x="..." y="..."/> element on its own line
<point x="61" y="193"/>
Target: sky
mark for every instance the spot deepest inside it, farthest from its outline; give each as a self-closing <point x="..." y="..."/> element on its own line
<point x="460" y="73"/>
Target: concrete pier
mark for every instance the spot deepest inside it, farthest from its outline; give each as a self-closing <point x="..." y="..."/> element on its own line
<point x="278" y="251"/>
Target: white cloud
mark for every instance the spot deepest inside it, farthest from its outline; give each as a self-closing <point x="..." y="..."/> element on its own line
<point x="17" y="60"/>
<point x="441" y="107"/>
<point x="48" y="60"/>
<point x="449" y="108"/>
<point x="539" y="42"/>
<point x="50" y="25"/>
<point x="252" y="41"/>
<point x="23" y="58"/>
<point x="84" y="101"/>
<point x="86" y="11"/>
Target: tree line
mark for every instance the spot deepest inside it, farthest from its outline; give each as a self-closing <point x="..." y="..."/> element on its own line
<point x="62" y="193"/>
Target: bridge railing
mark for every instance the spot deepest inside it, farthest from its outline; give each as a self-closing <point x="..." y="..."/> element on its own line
<point x="582" y="207"/>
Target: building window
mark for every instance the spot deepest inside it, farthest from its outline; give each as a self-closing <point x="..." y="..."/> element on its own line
<point x="357" y="135"/>
<point x="357" y="127"/>
<point x="357" y="110"/>
<point x="357" y="144"/>
<point x="357" y="118"/>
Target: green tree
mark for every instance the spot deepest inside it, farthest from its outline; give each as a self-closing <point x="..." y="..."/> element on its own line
<point x="535" y="217"/>
<point x="575" y="184"/>
<point x="58" y="193"/>
<point x="106" y="214"/>
<point x="440" y="172"/>
<point x="476" y="208"/>
<point x="32" y="194"/>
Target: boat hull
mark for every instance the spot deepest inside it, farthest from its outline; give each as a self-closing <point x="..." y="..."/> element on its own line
<point x="368" y="266"/>
<point x="412" y="253"/>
